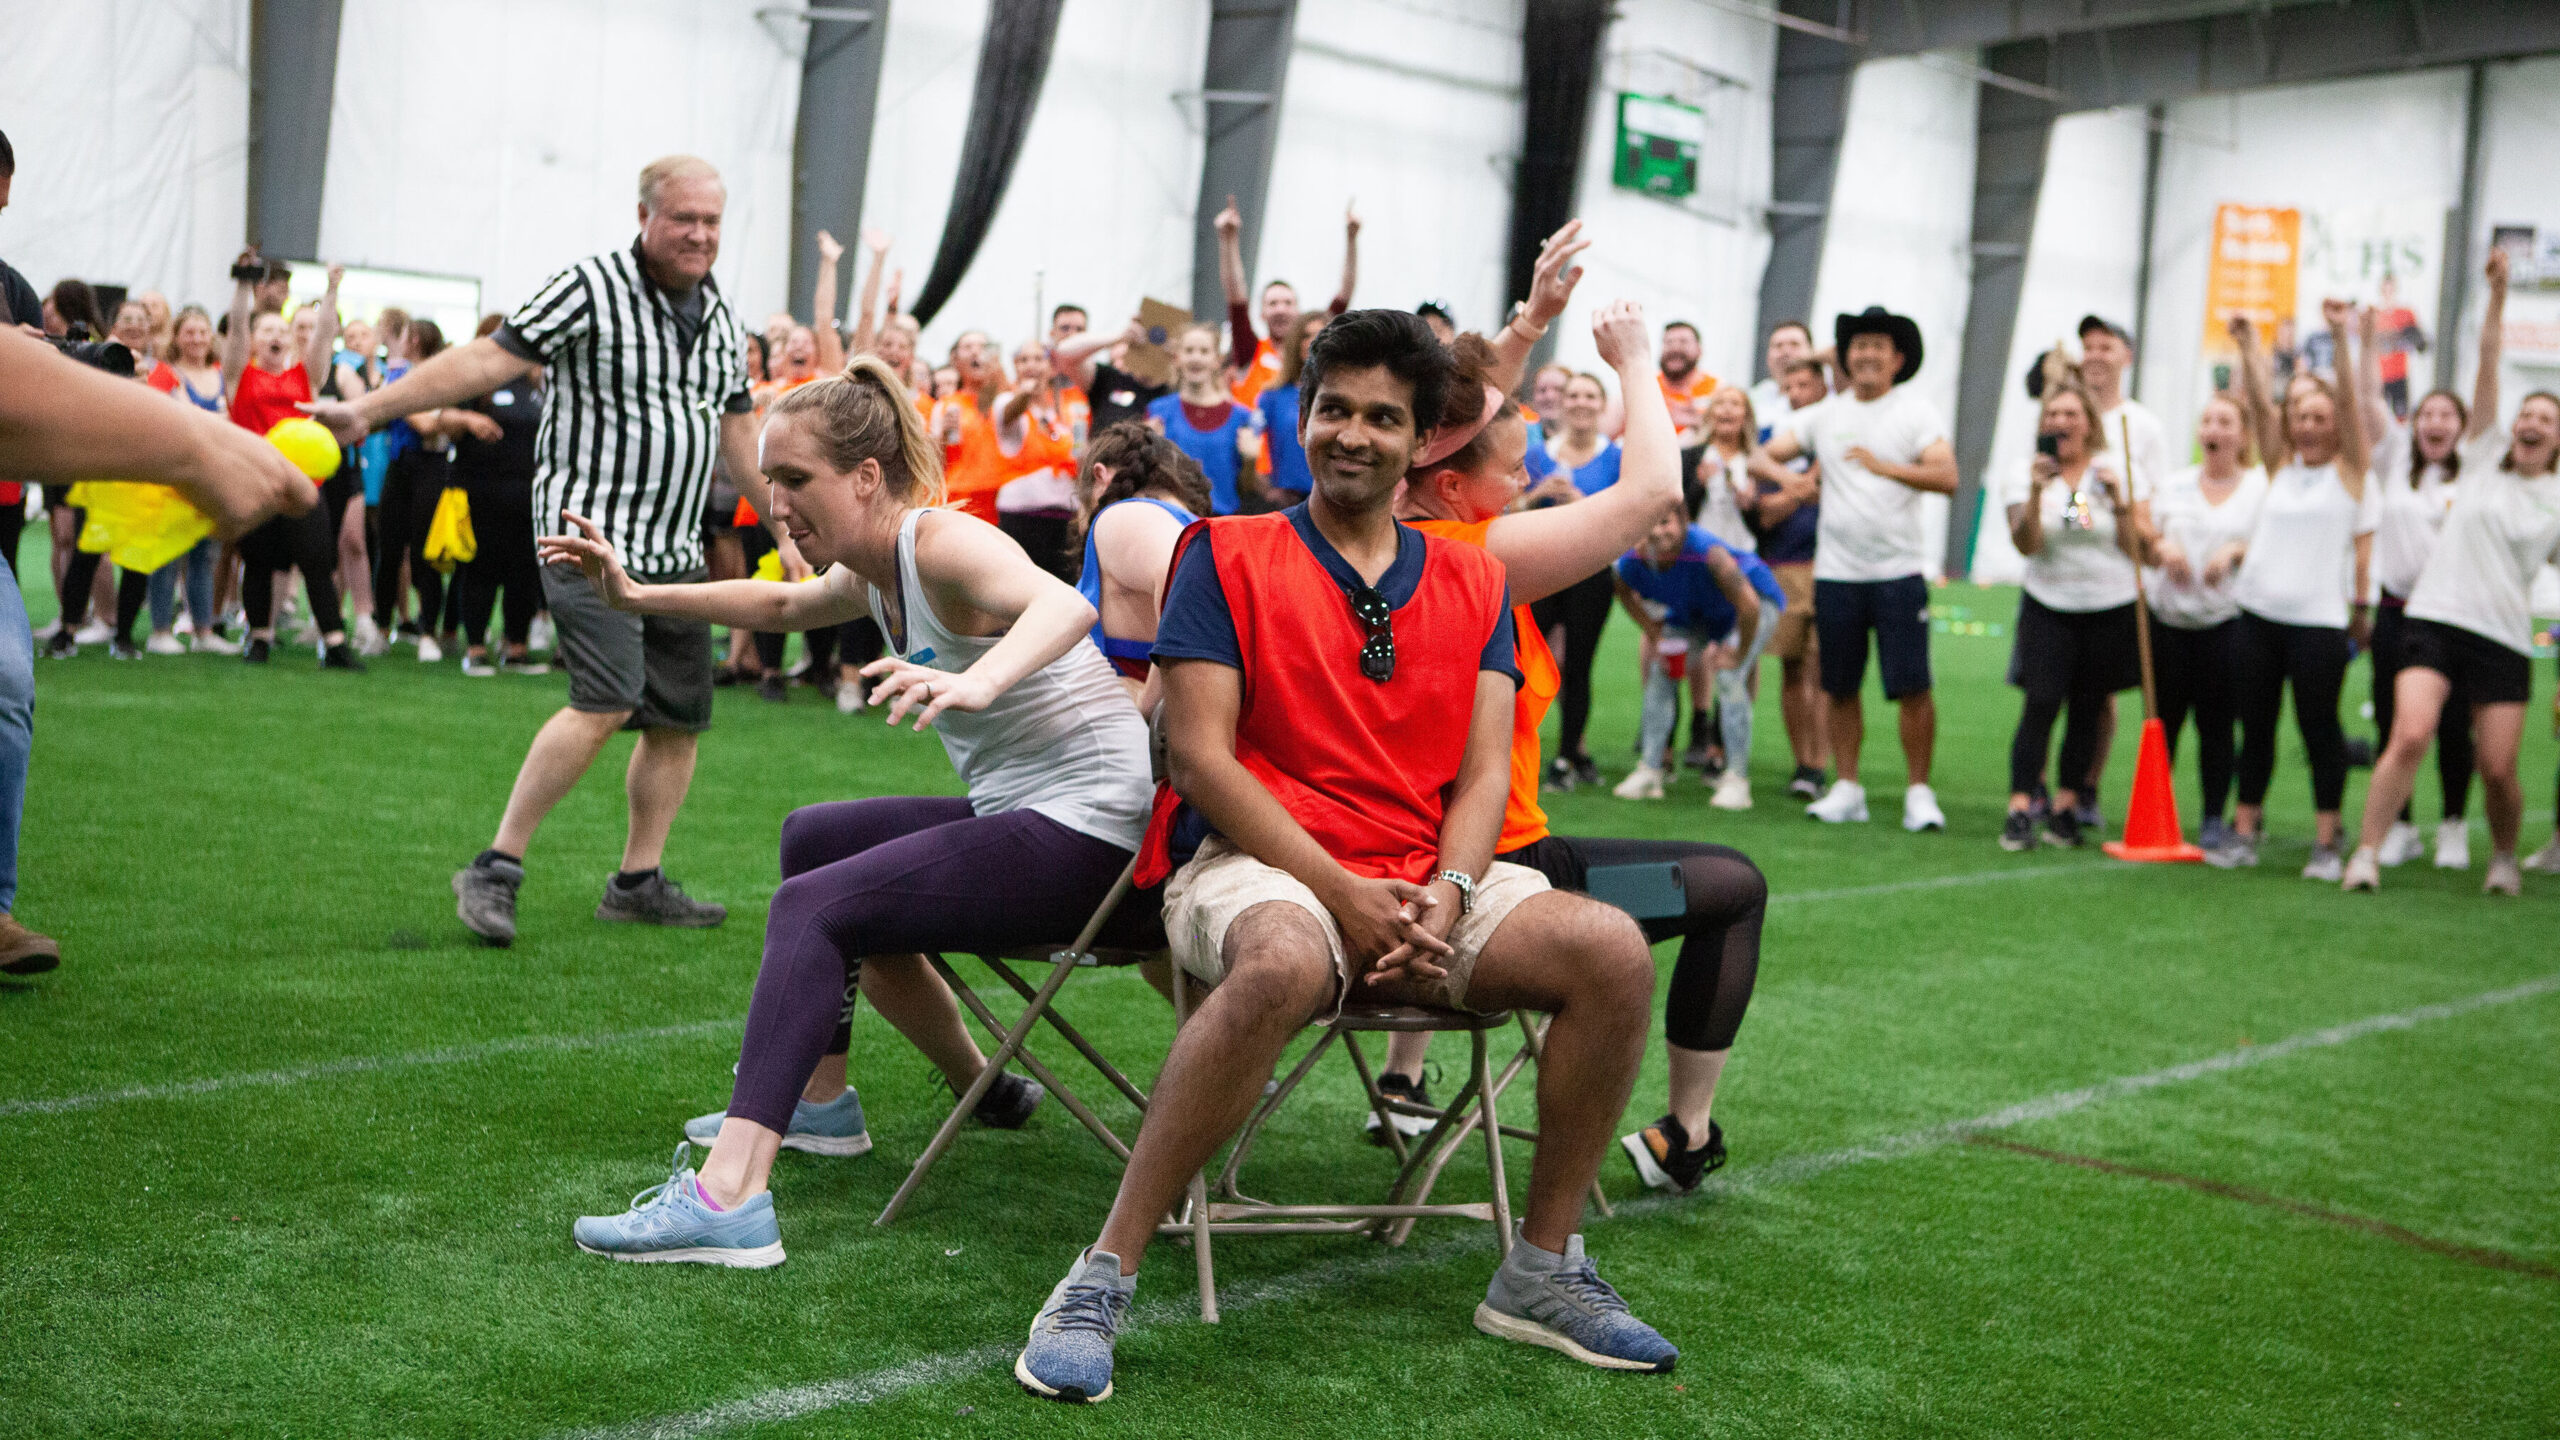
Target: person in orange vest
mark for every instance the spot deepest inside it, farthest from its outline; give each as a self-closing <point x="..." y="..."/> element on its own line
<point x="1685" y="387"/>
<point x="1254" y="360"/>
<point x="973" y="463"/>
<point x="1036" y="505"/>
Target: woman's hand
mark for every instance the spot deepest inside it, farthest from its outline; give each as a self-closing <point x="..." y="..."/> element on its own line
<point x="1551" y="284"/>
<point x="2045" y="469"/>
<point x="478" y="426"/>
<point x="1556" y="489"/>
<point x="2173" y="563"/>
<point x="2218" y="567"/>
<point x="1618" y="329"/>
<point x="1721" y="656"/>
<point x="928" y="692"/>
<point x="593" y="555"/>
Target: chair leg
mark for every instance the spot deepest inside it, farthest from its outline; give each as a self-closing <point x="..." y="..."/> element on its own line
<point x="1200" y="1239"/>
<point x="977" y="1090"/>
<point x="1485" y="1102"/>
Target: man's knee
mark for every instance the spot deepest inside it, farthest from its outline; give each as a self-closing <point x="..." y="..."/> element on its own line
<point x="1606" y="951"/>
<point x="1278" y="962"/>
<point x="598" y="723"/>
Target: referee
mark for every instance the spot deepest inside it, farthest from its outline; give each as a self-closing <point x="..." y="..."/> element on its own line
<point x="648" y="391"/>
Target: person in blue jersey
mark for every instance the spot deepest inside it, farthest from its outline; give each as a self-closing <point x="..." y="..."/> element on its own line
<point x="1205" y="420"/>
<point x="1140" y="492"/>
<point x="1288" y="480"/>
<point x="1699" y="601"/>
<point x="1574" y="460"/>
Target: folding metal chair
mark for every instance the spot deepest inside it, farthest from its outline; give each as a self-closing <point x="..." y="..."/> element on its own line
<point x="1646" y="891"/>
<point x="1142" y="939"/>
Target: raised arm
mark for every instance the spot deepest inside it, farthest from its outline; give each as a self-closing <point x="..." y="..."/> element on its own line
<point x="2255" y="383"/>
<point x="464" y="372"/>
<point x="1077" y="354"/>
<point x="1350" y="261"/>
<point x="2352" y="446"/>
<point x="2493" y="343"/>
<point x="324" y="336"/>
<point x="822" y="304"/>
<point x="2377" y="415"/>
<point x="1545" y="550"/>
<point x="866" y="320"/>
<point x="1550" y="288"/>
<point x="764" y="606"/>
<point x="235" y="339"/>
<point x="1230" y="227"/>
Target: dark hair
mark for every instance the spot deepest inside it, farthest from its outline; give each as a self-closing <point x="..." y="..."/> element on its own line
<point x="1063" y="309"/>
<point x="1429" y="308"/>
<point x="1283" y="284"/>
<point x="1807" y="363"/>
<point x="1358" y="339"/>
<point x="1141" y="460"/>
<point x="1471" y="365"/>
<point x="489" y="324"/>
<point x="2453" y="457"/>
<point x="1693" y="330"/>
<point x="764" y="352"/>
<point x="77" y="304"/>
<point x="1792" y="325"/>
<point x="276" y="270"/>
<point x="8" y="157"/>
<point x="427" y="337"/>
<point x="1293" y="347"/>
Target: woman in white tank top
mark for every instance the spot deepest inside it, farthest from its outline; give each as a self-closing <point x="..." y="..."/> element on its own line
<point x="988" y="649"/>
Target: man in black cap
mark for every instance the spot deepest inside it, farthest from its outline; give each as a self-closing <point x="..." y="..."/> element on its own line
<point x="1881" y="448"/>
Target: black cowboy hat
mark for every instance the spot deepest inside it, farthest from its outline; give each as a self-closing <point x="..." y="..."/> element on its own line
<point x="1902" y="330"/>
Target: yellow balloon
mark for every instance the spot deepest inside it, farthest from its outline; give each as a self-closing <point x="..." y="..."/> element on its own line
<point x="308" y="444"/>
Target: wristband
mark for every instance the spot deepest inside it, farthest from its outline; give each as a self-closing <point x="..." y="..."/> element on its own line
<point x="1466" y="885"/>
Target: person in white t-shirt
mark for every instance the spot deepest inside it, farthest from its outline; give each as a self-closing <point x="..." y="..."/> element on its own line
<point x="2470" y="621"/>
<point x="2140" y="444"/>
<point x="2202" y="518"/>
<point x="2415" y="467"/>
<point x="1786" y="518"/>
<point x="1881" y="448"/>
<point x="1790" y="345"/>
<point x="2303" y="586"/>
<point x="2074" y="516"/>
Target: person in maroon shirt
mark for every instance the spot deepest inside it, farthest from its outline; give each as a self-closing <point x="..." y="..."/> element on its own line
<point x="1254" y="361"/>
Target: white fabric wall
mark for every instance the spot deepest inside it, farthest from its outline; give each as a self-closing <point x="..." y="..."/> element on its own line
<point x="1900" y="233"/>
<point x="2394" y="138"/>
<point x="1697" y="260"/>
<point x="2085" y="258"/>
<point x="2519" y="134"/>
<point x="1413" y="111"/>
<point x="503" y="139"/>
<point x="1099" y="211"/>
<point x="130" y="119"/>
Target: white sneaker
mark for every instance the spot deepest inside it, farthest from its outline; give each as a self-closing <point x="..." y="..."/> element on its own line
<point x="539" y="637"/>
<point x="526" y="666"/>
<point x="1845" y="805"/>
<point x="2363" y="872"/>
<point x="370" y="640"/>
<point x="2453" y="845"/>
<point x="215" y="643"/>
<point x="429" y="652"/>
<point x="96" y="632"/>
<point x="1920" y="810"/>
<point x="2504" y="879"/>
<point x="850" y="695"/>
<point x="164" y="643"/>
<point x="1733" y="791"/>
<point x="477" y="669"/>
<point x="49" y="629"/>
<point x="2327" y="865"/>
<point x="2399" y="845"/>
<point x="1642" y="783"/>
<point x="2545" y="861"/>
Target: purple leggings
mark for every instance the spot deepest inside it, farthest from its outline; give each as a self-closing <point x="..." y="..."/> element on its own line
<point x="890" y="877"/>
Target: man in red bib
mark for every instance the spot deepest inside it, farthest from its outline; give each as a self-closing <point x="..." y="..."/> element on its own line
<point x="1343" y="821"/>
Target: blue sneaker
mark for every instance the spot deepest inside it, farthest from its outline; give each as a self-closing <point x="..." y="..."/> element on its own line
<point x="1069" y="1354"/>
<point x="669" y="1223"/>
<point x="1540" y="1298"/>
<point x="834" y="1128"/>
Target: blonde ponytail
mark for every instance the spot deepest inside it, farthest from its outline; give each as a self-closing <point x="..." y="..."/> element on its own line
<point x="867" y="413"/>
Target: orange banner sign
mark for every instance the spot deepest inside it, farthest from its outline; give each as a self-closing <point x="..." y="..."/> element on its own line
<point x="2256" y="254"/>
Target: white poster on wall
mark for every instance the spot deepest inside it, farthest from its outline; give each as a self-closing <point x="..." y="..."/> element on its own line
<point x="2389" y="257"/>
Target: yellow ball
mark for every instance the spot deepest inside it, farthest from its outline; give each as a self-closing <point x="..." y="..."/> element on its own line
<point x="308" y="444"/>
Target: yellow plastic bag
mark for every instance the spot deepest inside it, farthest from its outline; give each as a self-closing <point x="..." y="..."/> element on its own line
<point x="138" y="526"/>
<point x="770" y="568"/>
<point x="449" y="538"/>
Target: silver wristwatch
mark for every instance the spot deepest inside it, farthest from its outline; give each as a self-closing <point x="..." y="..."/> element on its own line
<point x="1466" y="884"/>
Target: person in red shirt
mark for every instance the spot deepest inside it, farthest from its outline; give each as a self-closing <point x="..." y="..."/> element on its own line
<point x="1254" y="360"/>
<point x="1315" y="663"/>
<point x="266" y="383"/>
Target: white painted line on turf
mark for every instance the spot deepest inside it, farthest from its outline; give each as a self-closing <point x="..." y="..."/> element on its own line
<point x="359" y="1065"/>
<point x="1947" y="882"/>
<point x="795" y="1401"/>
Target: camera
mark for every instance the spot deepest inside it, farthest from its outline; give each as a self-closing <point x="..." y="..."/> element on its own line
<point x="108" y="355"/>
<point x="2049" y="446"/>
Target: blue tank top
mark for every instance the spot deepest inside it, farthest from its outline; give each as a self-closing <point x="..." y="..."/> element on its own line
<point x="1214" y="449"/>
<point x="1279" y="406"/>
<point x="1593" y="476"/>
<point x="1089" y="583"/>
<point x="199" y="399"/>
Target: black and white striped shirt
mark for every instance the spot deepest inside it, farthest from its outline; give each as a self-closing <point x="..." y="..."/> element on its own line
<point x="631" y="429"/>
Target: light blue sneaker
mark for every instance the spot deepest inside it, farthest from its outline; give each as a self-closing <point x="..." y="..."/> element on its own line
<point x="668" y="1223"/>
<point x="1069" y="1354"/>
<point x="1540" y="1298"/>
<point x="834" y="1128"/>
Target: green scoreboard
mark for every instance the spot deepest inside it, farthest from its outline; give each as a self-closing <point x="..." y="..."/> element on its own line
<point x="1658" y="140"/>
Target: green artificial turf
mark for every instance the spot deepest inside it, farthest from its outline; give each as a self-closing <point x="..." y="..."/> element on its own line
<point x="358" y="1223"/>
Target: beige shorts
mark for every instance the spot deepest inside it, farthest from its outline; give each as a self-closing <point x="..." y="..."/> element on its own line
<point x="1222" y="882"/>
<point x="1794" y="640"/>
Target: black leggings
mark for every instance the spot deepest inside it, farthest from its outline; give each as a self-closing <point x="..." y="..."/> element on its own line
<point x="2077" y="659"/>
<point x="502" y="524"/>
<point x="410" y="491"/>
<point x="133" y="590"/>
<point x="2453" y="732"/>
<point x="2314" y="659"/>
<point x="1581" y="610"/>
<point x="1719" y="960"/>
<point x="2198" y="673"/>
<point x="291" y="542"/>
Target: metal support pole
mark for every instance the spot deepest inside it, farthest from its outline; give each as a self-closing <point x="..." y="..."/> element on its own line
<point x="2459" y="228"/>
<point x="2154" y="141"/>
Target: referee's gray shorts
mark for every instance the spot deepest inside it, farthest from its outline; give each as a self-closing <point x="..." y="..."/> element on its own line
<point x="656" y="667"/>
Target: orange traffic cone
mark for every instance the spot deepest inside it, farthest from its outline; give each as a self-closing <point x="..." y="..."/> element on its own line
<point x="2151" y="821"/>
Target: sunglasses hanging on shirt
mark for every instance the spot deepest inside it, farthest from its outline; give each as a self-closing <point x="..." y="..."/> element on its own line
<point x="1378" y="652"/>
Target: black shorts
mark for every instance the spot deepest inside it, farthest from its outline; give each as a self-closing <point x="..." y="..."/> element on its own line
<point x="1896" y="610"/>
<point x="2490" y="672"/>
<point x="2062" y="651"/>
<point x="655" y="667"/>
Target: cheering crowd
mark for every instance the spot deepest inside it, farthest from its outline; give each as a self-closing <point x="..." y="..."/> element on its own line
<point x="1300" y="551"/>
